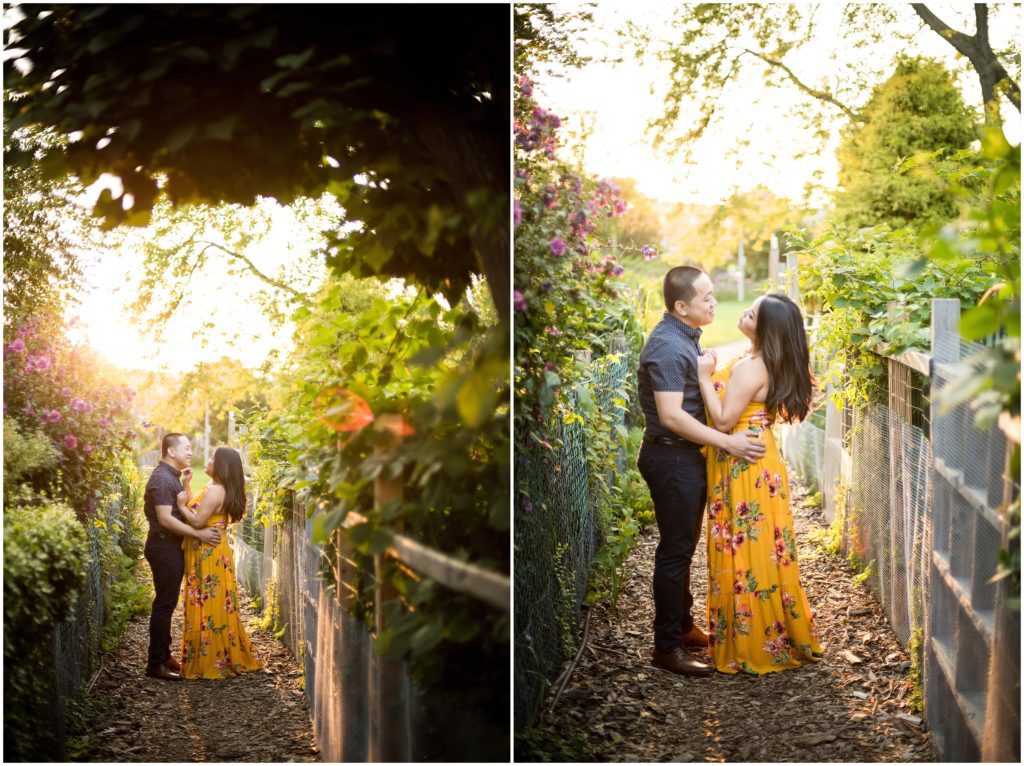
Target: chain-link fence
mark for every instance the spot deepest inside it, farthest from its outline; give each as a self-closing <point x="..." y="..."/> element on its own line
<point x="921" y="488"/>
<point x="363" y="707"/>
<point x="557" y="533"/>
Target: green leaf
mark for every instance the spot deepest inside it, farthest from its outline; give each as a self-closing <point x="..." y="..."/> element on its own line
<point x="294" y="60"/>
<point x="980" y="321"/>
<point x="476" y="399"/>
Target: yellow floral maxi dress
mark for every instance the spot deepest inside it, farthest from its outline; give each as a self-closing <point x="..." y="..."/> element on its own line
<point x="214" y="643"/>
<point x="759" y="620"/>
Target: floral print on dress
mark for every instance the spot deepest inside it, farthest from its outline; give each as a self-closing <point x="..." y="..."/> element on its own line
<point x="214" y="643"/>
<point x="759" y="618"/>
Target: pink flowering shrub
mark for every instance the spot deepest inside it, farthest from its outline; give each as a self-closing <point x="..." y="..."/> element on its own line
<point x="567" y="293"/>
<point x="53" y="388"/>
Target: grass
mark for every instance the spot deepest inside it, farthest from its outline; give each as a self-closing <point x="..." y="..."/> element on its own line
<point x="648" y="276"/>
<point x="199" y="477"/>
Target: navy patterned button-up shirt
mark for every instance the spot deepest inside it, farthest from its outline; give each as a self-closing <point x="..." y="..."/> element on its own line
<point x="668" y="362"/>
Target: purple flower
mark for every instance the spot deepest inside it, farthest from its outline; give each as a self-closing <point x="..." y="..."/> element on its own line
<point x="528" y="506"/>
<point x="648" y="252"/>
<point x="554" y="331"/>
<point x="41" y="362"/>
<point x="550" y="197"/>
<point x="617" y="269"/>
<point x="53" y="416"/>
<point x="78" y="405"/>
<point x="104" y="422"/>
<point x="525" y="86"/>
<point x="66" y="392"/>
<point x="518" y="301"/>
<point x="517" y="214"/>
<point x="546" y="285"/>
<point x="70" y="442"/>
<point x="87" y="449"/>
<point x="557" y="246"/>
<point x="16" y="346"/>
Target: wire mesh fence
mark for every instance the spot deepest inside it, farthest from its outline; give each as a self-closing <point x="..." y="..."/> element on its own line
<point x="77" y="641"/>
<point x="972" y="655"/>
<point x="363" y="706"/>
<point x="556" y="523"/>
<point x="921" y="515"/>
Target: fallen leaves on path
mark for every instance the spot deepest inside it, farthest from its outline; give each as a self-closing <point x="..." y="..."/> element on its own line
<point x="853" y="705"/>
<point x="259" y="716"/>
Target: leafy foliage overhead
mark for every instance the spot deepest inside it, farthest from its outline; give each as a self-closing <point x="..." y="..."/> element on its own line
<point x="232" y="102"/>
<point x="709" y="45"/>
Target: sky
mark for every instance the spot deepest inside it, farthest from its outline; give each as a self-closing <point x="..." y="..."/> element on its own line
<point x="229" y="302"/>
<point x="612" y="104"/>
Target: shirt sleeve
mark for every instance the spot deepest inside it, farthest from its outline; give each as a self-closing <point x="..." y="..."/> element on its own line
<point x="668" y="370"/>
<point x="165" y="493"/>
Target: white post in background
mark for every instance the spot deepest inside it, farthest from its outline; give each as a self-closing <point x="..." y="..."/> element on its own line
<point x="792" y="277"/>
<point x="742" y="266"/>
<point x="773" y="259"/>
<point x="231" y="428"/>
<point x="206" y="433"/>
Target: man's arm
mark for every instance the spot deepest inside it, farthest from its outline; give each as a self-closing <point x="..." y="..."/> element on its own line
<point x="682" y="423"/>
<point x="209" y="536"/>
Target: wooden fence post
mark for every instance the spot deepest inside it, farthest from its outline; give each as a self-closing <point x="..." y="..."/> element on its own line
<point x="390" y="701"/>
<point x="792" y="276"/>
<point x="945" y="321"/>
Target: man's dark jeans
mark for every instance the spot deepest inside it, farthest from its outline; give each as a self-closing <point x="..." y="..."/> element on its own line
<point x="677" y="479"/>
<point x="167" y="561"/>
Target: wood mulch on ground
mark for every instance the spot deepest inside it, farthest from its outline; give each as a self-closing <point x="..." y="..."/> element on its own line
<point x="853" y="705"/>
<point x="259" y="716"/>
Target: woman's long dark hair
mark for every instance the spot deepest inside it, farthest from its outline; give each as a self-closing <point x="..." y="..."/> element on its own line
<point x="227" y="470"/>
<point x="782" y="342"/>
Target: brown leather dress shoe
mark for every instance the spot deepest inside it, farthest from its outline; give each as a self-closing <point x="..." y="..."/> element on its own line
<point x="695" y="637"/>
<point x="678" y="661"/>
<point x="163" y="672"/>
<point x="174" y="665"/>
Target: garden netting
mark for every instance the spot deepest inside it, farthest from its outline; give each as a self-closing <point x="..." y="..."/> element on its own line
<point x="924" y="486"/>
<point x="557" y="533"/>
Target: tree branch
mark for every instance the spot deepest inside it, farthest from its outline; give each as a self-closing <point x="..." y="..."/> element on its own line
<point x="978" y="49"/>
<point x="252" y="267"/>
<point x="963" y="43"/>
<point x="818" y="94"/>
<point x="981" y="18"/>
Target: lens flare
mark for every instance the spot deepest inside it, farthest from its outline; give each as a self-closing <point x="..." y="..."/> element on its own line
<point x="341" y="410"/>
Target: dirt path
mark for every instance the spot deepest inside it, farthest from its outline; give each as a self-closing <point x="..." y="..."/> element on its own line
<point x="260" y="716"/>
<point x="835" y="710"/>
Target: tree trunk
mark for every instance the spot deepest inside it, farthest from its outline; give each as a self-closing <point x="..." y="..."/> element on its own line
<point x="476" y="162"/>
<point x="977" y="48"/>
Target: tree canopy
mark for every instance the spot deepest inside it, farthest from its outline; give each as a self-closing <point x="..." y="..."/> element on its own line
<point x="405" y="122"/>
<point x="708" y="45"/>
<point x="917" y="110"/>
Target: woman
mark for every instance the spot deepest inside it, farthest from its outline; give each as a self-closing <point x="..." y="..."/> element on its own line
<point x="214" y="643"/>
<point x="759" y="618"/>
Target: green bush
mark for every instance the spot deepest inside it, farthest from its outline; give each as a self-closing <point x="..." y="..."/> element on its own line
<point x="46" y="553"/>
<point x="26" y="453"/>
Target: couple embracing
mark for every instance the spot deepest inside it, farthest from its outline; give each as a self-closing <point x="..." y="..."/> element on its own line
<point x="759" y="620"/>
<point x="186" y="541"/>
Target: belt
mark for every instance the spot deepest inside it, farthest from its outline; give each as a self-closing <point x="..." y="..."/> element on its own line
<point x="670" y="441"/>
<point x="160" y="534"/>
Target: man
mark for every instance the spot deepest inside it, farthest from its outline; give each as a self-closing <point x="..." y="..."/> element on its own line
<point x="163" y="549"/>
<point x="671" y="462"/>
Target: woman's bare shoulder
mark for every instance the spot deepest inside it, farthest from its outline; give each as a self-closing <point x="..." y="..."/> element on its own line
<point x="749" y="366"/>
<point x="215" y="491"/>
